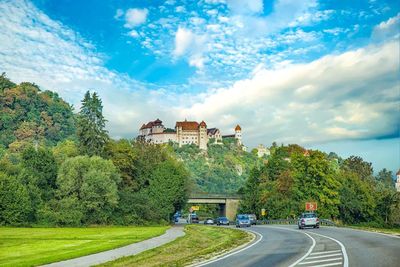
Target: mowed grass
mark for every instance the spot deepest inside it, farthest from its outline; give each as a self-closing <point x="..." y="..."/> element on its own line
<point x="395" y="231"/>
<point x="36" y="246"/>
<point x="199" y="243"/>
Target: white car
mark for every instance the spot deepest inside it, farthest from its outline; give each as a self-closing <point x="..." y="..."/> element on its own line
<point x="308" y="220"/>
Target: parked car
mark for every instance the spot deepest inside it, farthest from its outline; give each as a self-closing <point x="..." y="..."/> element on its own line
<point x="193" y="218"/>
<point x="243" y="220"/>
<point x="222" y="221"/>
<point x="253" y="219"/>
<point x="308" y="219"/>
<point x="209" y="221"/>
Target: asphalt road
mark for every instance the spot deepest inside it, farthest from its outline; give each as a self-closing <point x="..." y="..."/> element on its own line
<point x="327" y="246"/>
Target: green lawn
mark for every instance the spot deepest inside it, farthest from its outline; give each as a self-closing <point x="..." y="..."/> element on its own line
<point x="36" y="246"/>
<point x="200" y="242"/>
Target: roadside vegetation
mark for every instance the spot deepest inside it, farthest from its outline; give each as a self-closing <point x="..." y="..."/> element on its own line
<point x="199" y="243"/>
<point x="345" y="190"/>
<point x="36" y="246"/>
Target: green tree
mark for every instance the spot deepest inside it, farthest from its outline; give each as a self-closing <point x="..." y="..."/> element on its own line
<point x="358" y="166"/>
<point x="15" y="205"/>
<point x="386" y="177"/>
<point x="5" y="82"/>
<point x="91" y="133"/>
<point x="92" y="184"/>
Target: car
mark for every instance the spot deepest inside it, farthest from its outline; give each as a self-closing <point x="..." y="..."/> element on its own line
<point x="222" y="221"/>
<point x="253" y="219"/>
<point x="308" y="219"/>
<point x="193" y="218"/>
<point x="209" y="221"/>
<point x="243" y="220"/>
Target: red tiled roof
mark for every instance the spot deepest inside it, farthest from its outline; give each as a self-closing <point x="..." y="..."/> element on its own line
<point x="238" y="128"/>
<point x="187" y="125"/>
<point x="150" y="124"/>
<point x="203" y="124"/>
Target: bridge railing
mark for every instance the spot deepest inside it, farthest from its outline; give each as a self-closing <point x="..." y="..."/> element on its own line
<point x="294" y="221"/>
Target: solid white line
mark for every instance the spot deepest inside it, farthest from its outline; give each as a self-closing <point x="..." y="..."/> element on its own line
<point x="324" y="256"/>
<point x="309" y="250"/>
<point x="346" y="259"/>
<point x="328" y="264"/>
<point x="233" y="253"/>
<point x="325" y="252"/>
<point x="317" y="261"/>
<point x="371" y="232"/>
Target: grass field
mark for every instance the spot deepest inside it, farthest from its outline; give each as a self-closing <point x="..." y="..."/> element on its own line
<point x="200" y="242"/>
<point x="395" y="231"/>
<point x="36" y="246"/>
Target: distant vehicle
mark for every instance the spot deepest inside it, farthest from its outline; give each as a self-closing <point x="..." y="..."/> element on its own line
<point x="253" y="219"/>
<point x="309" y="219"/>
<point x="222" y="221"/>
<point x="193" y="218"/>
<point x="209" y="221"/>
<point x="243" y="220"/>
<point x="177" y="215"/>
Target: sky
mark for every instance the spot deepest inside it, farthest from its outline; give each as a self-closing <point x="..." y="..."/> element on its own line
<point x="322" y="74"/>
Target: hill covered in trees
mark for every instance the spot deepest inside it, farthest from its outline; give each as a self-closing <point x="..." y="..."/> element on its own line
<point x="223" y="168"/>
<point x="29" y="115"/>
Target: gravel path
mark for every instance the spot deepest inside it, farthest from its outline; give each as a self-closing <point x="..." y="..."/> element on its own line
<point x="133" y="249"/>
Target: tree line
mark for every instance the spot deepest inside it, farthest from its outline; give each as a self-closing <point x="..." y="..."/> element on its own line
<point x="345" y="189"/>
<point x="88" y="178"/>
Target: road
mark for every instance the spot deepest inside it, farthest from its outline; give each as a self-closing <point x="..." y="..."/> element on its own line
<point x="327" y="246"/>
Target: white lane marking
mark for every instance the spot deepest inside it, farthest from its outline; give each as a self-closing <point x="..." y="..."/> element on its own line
<point x="325" y="252"/>
<point x="328" y="264"/>
<point x="318" y="261"/>
<point x="346" y="259"/>
<point x="324" y="256"/>
<point x="233" y="253"/>
<point x="372" y="232"/>
<point x="308" y="252"/>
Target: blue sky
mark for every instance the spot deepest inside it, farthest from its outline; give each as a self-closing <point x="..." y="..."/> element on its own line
<point x="323" y="74"/>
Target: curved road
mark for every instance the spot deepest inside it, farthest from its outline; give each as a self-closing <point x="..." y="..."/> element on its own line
<point x="327" y="246"/>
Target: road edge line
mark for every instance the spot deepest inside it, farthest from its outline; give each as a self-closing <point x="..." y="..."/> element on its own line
<point x="343" y="248"/>
<point x="233" y="251"/>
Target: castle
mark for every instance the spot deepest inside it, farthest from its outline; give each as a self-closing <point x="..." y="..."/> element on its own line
<point x="185" y="133"/>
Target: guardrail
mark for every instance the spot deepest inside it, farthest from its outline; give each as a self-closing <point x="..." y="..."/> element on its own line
<point x="293" y="221"/>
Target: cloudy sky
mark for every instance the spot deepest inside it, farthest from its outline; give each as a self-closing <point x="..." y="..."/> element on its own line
<point x="323" y="74"/>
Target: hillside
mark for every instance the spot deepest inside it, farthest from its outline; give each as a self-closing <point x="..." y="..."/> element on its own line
<point x="29" y="115"/>
<point x="223" y="168"/>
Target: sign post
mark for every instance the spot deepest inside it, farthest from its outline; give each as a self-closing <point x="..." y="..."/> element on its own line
<point x="311" y="206"/>
<point x="263" y="213"/>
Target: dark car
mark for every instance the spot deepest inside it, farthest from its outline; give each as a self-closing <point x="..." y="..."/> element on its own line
<point x="243" y="220"/>
<point x="193" y="218"/>
<point x="308" y="219"/>
<point x="222" y="221"/>
<point x="209" y="221"/>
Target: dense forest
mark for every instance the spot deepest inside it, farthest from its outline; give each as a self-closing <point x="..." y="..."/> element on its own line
<point x="345" y="189"/>
<point x="29" y="115"/>
<point x="61" y="168"/>
<point x="75" y="174"/>
<point x="223" y="168"/>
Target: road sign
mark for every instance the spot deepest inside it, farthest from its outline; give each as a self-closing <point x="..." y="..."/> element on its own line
<point x="263" y="212"/>
<point x="311" y="206"/>
<point x="195" y="208"/>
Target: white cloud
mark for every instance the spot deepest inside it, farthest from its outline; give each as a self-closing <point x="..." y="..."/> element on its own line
<point x="336" y="97"/>
<point x="135" y="16"/>
<point x="245" y="7"/>
<point x="387" y="29"/>
<point x="118" y="14"/>
<point x="190" y="44"/>
<point x="133" y="34"/>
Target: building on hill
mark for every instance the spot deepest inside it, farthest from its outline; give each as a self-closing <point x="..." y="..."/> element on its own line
<point x="398" y="181"/>
<point x="262" y="151"/>
<point x="154" y="132"/>
<point x="237" y="135"/>
<point x="185" y="133"/>
<point x="214" y="133"/>
<point x="191" y="132"/>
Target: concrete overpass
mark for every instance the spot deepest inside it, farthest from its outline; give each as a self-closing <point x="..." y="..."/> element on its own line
<point x="228" y="204"/>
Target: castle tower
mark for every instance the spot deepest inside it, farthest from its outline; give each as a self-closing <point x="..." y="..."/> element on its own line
<point x="238" y="134"/>
<point x="398" y="181"/>
<point x="203" y="137"/>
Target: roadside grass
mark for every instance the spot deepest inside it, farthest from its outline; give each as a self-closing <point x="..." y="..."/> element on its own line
<point x="395" y="231"/>
<point x="199" y="243"/>
<point x="37" y="246"/>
